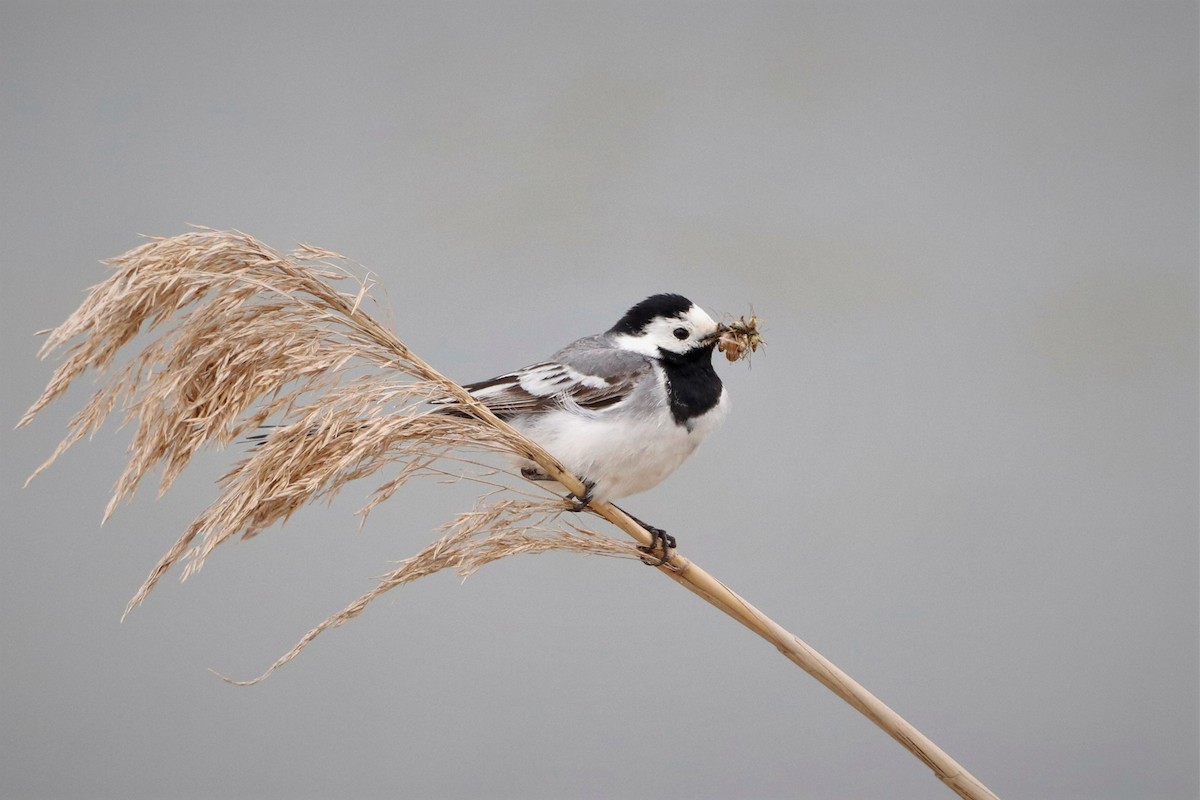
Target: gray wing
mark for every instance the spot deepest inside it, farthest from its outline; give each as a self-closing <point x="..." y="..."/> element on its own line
<point x="590" y="373"/>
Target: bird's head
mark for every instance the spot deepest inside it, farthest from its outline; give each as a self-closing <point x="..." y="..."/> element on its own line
<point x="666" y="324"/>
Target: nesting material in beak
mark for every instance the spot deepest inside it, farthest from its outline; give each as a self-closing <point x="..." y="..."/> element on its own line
<point x="739" y="339"/>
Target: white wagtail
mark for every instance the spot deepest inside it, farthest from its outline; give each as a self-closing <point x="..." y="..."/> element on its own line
<point x="624" y="408"/>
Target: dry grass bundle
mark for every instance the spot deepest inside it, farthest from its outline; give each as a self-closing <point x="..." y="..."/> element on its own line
<point x="491" y="531"/>
<point x="245" y="336"/>
<point x="257" y="336"/>
<point x="741" y="338"/>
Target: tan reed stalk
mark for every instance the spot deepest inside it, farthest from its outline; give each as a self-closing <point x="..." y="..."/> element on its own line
<point x="700" y="582"/>
<point x="258" y="337"/>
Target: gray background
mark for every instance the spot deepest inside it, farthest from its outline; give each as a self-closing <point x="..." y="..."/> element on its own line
<point x="965" y="469"/>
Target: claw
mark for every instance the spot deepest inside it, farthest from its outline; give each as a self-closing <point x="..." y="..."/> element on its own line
<point x="662" y="540"/>
<point x="580" y="503"/>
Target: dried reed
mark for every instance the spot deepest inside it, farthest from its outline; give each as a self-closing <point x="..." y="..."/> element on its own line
<point x="485" y="534"/>
<point x="253" y="336"/>
<point x="256" y="336"/>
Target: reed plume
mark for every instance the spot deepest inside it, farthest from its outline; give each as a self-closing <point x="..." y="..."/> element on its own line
<point x="247" y="335"/>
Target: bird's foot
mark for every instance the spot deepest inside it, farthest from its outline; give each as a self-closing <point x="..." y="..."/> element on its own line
<point x="660" y="547"/>
<point x="580" y="503"/>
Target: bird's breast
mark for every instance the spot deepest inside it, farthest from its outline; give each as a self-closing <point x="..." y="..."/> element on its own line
<point x="623" y="451"/>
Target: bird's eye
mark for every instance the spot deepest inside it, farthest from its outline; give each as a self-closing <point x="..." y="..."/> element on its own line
<point x="680" y="333"/>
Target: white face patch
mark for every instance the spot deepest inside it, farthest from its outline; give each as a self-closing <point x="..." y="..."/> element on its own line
<point x="694" y="328"/>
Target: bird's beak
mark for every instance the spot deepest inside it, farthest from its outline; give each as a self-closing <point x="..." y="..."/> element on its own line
<point x="721" y="329"/>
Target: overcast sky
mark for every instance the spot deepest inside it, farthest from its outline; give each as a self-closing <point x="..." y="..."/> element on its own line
<point x="965" y="469"/>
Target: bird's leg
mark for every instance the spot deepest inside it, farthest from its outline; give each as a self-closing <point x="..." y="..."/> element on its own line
<point x="580" y="503"/>
<point x="662" y="540"/>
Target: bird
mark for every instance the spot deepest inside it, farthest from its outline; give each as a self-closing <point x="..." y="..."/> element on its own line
<point x="622" y="409"/>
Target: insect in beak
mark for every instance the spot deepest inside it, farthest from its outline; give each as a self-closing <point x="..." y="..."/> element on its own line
<point x="739" y="339"/>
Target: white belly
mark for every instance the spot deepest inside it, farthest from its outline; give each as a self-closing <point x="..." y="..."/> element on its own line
<point x="620" y="456"/>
